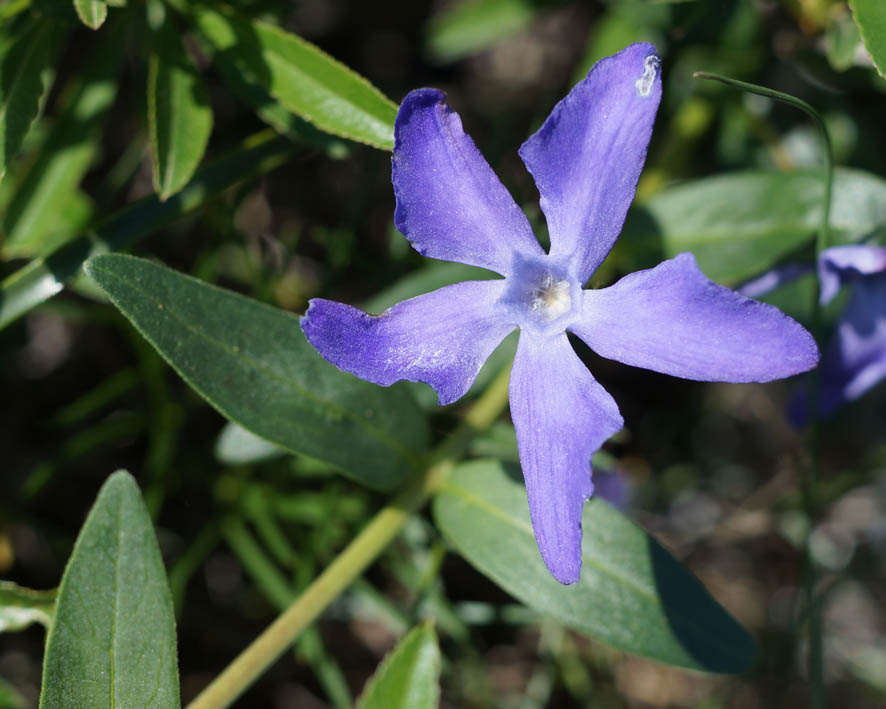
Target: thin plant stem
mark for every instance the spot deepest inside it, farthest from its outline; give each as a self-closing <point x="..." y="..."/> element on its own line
<point x="355" y="558"/>
<point x="810" y="482"/>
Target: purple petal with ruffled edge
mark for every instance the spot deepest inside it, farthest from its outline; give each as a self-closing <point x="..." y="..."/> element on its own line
<point x="441" y="338"/>
<point x="673" y="319"/>
<point x="561" y="415"/>
<point x="450" y="204"/>
<point x="841" y="264"/>
<point x="587" y="156"/>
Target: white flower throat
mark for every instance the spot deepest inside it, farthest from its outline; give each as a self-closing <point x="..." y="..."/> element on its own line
<point x="542" y="296"/>
<point x="550" y="297"/>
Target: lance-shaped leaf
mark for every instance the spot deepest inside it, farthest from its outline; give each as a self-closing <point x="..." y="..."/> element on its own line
<point x="23" y="65"/>
<point x="632" y="593"/>
<point x="306" y="80"/>
<point x="408" y="677"/>
<point x="740" y="224"/>
<point x="870" y="16"/>
<point x="91" y="12"/>
<point x="20" y="606"/>
<point x="179" y="114"/>
<point x="112" y="641"/>
<point x="253" y="364"/>
<point x="41" y="212"/>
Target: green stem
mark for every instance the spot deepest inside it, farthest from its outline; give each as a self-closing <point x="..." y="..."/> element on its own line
<point x="810" y="484"/>
<point x="354" y="559"/>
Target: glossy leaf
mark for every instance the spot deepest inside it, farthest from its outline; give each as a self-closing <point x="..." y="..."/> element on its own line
<point x="43" y="277"/>
<point x="19" y="606"/>
<point x="91" y="12"/>
<point x="739" y="224"/>
<point x="470" y="26"/>
<point x="112" y="641"/>
<point x="408" y="677"/>
<point x="46" y="208"/>
<point x="870" y="15"/>
<point x="253" y="364"/>
<point x="179" y="114"/>
<point x="304" y="79"/>
<point x="22" y="85"/>
<point x="632" y="593"/>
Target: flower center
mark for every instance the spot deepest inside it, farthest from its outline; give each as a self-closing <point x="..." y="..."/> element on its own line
<point x="542" y="296"/>
<point x="550" y="297"/>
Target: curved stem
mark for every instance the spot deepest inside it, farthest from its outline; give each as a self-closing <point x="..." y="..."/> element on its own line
<point x="810" y="484"/>
<point x="354" y="559"/>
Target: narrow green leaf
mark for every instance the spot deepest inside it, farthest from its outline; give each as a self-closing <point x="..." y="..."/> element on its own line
<point x="22" y="85"/>
<point x="20" y="606"/>
<point x="470" y="26"/>
<point x="179" y="114"/>
<point x="870" y="15"/>
<point x="739" y="224"/>
<point x="43" y="277"/>
<point x="253" y="364"/>
<point x="91" y="12"/>
<point x="46" y="208"/>
<point x="112" y="642"/>
<point x="306" y="80"/>
<point x="409" y="676"/>
<point x="632" y="594"/>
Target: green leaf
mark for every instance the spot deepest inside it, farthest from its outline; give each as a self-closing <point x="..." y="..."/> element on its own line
<point x="20" y="606"/>
<point x="739" y="224"/>
<point x="179" y="114"/>
<point x="112" y="642"/>
<point x="870" y="15"/>
<point x="91" y="12"/>
<point x="306" y="80"/>
<point x="464" y="28"/>
<point x="46" y="208"/>
<point x="237" y="446"/>
<point x="43" y="277"/>
<point x="10" y="697"/>
<point x="408" y="677"/>
<point x="632" y="594"/>
<point x="22" y="85"/>
<point x="253" y="364"/>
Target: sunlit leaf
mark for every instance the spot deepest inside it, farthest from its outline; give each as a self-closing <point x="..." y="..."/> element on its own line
<point x="91" y="12"/>
<point x="408" y="677"/>
<point x="179" y="114"/>
<point x="112" y="641"/>
<point x="870" y="15"/>
<point x="253" y="364"/>
<point x="739" y="224"/>
<point x="19" y="606"/>
<point x="304" y="79"/>
<point x="632" y="594"/>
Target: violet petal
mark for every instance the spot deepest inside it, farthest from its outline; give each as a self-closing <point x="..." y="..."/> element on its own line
<point x="441" y="338"/>
<point x="587" y="156"/>
<point x="673" y="319"/>
<point x="841" y="264"/>
<point x="450" y="204"/>
<point x="561" y="415"/>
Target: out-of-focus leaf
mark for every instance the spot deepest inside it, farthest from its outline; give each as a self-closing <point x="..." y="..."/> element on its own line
<point x="10" y="697"/>
<point x="179" y="114"/>
<point x="424" y="280"/>
<point x="408" y="677"/>
<point x="632" y="594"/>
<point x="43" y="277"/>
<point x="91" y="12"/>
<point x="112" y="641"/>
<point x="253" y="364"/>
<point x="306" y="80"/>
<point x="870" y="15"/>
<point x="237" y="446"/>
<point x="841" y="42"/>
<point x="19" y="606"/>
<point x="46" y="208"/>
<point x="22" y="84"/>
<point x="467" y="27"/>
<point x="739" y="224"/>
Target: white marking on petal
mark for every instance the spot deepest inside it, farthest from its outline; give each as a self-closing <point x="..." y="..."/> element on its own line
<point x="650" y="71"/>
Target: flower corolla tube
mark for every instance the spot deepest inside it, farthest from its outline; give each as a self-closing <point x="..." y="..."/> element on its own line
<point x="586" y="159"/>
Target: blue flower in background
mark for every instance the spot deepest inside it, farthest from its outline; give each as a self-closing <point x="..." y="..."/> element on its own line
<point x="586" y="160"/>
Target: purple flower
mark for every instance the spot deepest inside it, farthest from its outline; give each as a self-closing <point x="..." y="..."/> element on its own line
<point x="586" y="160"/>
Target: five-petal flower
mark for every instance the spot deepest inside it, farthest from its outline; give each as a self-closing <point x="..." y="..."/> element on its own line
<point x="586" y="159"/>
